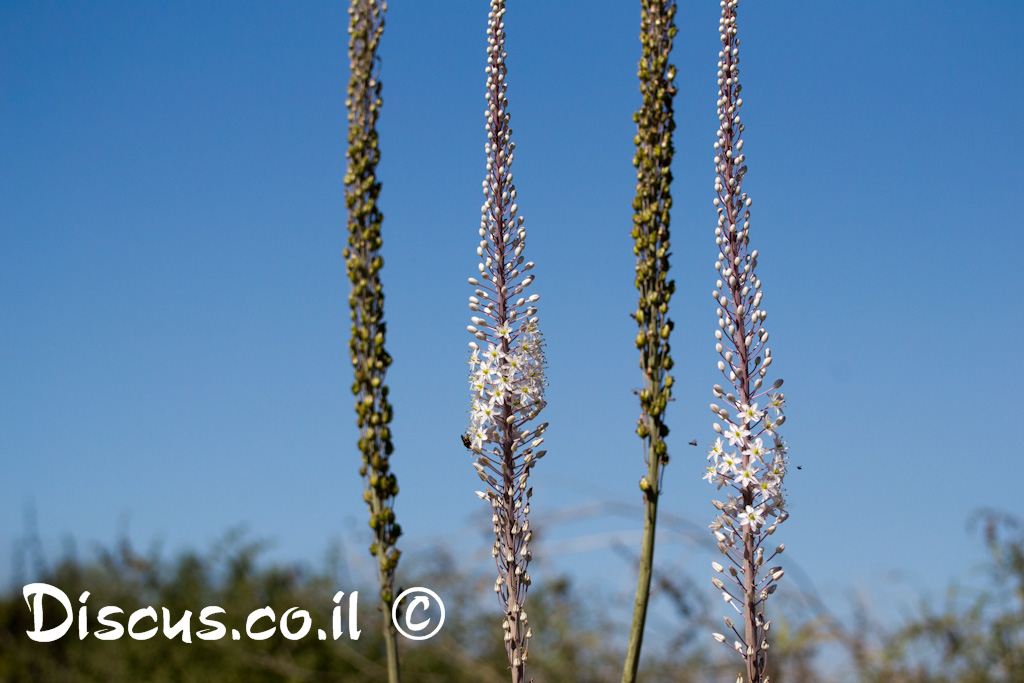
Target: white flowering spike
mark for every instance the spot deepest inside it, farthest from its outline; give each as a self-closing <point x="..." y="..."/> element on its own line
<point x="742" y="462"/>
<point x="506" y="375"/>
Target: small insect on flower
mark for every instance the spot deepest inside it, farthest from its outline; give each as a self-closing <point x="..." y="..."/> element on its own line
<point x="466" y="442"/>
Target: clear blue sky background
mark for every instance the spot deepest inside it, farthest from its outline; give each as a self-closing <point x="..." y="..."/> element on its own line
<point x="174" y="302"/>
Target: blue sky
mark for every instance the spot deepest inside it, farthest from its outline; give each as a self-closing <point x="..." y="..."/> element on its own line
<point x="174" y="300"/>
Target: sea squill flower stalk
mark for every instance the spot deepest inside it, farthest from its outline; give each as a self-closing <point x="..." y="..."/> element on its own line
<point x="364" y="262"/>
<point x="507" y="365"/>
<point x="651" y="208"/>
<point x="748" y="459"/>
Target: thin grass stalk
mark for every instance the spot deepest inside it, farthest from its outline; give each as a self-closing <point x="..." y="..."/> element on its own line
<point x="364" y="262"/>
<point x="751" y="471"/>
<point x="507" y="377"/>
<point x="651" y="206"/>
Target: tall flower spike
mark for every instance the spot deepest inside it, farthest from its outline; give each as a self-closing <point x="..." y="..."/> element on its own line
<point x="651" y="206"/>
<point x="507" y="366"/>
<point x="363" y="261"/>
<point x="749" y="458"/>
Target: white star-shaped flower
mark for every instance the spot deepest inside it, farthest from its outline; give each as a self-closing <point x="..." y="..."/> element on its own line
<point x="752" y="517"/>
<point x="755" y="450"/>
<point x="745" y="476"/>
<point x="736" y="433"/>
<point x="749" y="413"/>
<point x="776" y="401"/>
<point x="493" y="354"/>
<point x="716" y="450"/>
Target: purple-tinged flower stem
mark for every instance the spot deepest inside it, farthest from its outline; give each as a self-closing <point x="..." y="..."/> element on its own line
<point x="507" y="370"/>
<point x="752" y="473"/>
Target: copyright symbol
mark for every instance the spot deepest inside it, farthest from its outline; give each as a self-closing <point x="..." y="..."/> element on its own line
<point x="414" y="628"/>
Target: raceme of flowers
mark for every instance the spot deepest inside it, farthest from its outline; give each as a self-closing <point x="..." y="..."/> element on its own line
<point x="364" y="262"/>
<point x="506" y="362"/>
<point x="748" y="459"/>
<point x="652" y="206"/>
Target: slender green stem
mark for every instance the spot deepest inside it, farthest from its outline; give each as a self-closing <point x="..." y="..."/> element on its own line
<point x="643" y="588"/>
<point x="650" y="231"/>
<point x="391" y="645"/>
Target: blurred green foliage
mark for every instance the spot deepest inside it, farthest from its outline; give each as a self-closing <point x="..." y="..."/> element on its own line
<point x="233" y="576"/>
<point x="974" y="636"/>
